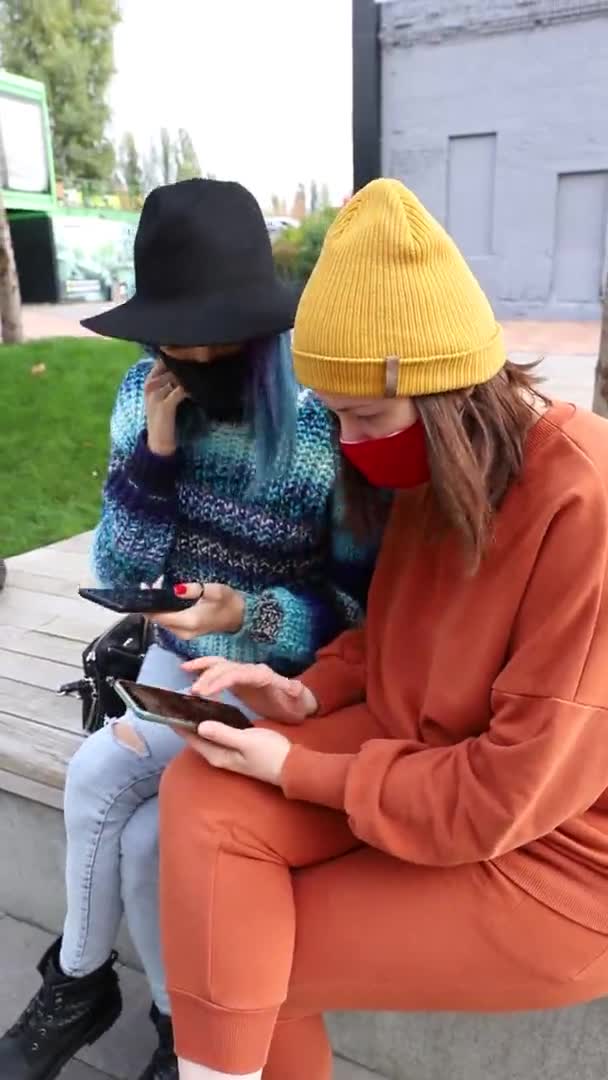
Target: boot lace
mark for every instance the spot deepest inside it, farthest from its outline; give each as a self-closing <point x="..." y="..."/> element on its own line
<point x="34" y="1019"/>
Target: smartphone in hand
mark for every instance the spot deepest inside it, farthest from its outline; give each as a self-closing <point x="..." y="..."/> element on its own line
<point x="133" y="601"/>
<point x="176" y="710"/>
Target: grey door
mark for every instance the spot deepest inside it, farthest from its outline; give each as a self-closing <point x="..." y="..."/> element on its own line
<point x="580" y="236"/>
<point x="471" y="173"/>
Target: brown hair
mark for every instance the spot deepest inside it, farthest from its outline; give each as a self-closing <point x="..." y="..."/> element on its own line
<point x="475" y="439"/>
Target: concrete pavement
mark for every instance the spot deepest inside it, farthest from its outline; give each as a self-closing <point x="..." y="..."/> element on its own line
<point x="123" y="1053"/>
<point x="568" y="378"/>
<point x="524" y="336"/>
<point x="58" y="320"/>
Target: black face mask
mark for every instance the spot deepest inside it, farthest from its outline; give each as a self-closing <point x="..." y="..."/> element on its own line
<point x="218" y="387"/>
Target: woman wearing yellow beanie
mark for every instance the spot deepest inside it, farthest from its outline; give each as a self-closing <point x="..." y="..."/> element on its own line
<point x="433" y="831"/>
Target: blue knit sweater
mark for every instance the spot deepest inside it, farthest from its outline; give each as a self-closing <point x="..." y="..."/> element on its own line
<point x="196" y="516"/>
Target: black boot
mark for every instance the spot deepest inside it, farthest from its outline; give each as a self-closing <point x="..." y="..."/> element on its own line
<point x="65" y="1015"/>
<point x="163" y="1065"/>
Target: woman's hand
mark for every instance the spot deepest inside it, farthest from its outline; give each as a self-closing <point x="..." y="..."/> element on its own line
<point x="255" y="752"/>
<point x="162" y="396"/>
<point x="258" y="686"/>
<point x="219" y="610"/>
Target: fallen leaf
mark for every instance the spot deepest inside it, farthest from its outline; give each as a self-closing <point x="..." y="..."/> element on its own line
<point x="38" y="369"/>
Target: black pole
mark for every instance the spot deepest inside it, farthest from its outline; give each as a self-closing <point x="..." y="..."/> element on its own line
<point x="366" y="92"/>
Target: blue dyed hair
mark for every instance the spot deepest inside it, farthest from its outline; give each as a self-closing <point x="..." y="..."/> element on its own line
<point x="271" y="403"/>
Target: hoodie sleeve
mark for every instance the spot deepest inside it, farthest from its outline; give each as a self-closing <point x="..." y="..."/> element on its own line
<point x="544" y="757"/>
<point x="337" y="679"/>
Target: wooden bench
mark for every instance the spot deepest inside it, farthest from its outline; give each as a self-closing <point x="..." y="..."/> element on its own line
<point x="44" y="627"/>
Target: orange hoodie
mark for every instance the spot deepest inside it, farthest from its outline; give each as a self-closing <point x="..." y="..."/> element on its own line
<point x="492" y="689"/>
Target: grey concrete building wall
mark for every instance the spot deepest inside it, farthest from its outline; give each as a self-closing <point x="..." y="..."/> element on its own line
<point x="496" y="114"/>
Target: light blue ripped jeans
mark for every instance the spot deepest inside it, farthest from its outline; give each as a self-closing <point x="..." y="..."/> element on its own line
<point x="111" y="821"/>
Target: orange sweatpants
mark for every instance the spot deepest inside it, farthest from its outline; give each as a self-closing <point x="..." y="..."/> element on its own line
<point x="273" y="912"/>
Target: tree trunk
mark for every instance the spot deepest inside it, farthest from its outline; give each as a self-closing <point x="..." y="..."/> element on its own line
<point x="600" y="393"/>
<point x="10" y="294"/>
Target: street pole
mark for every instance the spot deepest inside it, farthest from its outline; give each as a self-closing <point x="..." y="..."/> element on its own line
<point x="366" y="92"/>
<point x="600" y="393"/>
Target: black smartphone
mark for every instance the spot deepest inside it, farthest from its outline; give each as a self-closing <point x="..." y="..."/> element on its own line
<point x="176" y="710"/>
<point x="136" y="601"/>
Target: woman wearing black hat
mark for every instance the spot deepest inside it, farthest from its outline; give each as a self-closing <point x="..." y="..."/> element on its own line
<point x="221" y="472"/>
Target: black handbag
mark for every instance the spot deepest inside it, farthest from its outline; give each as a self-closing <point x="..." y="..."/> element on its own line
<point x="118" y="653"/>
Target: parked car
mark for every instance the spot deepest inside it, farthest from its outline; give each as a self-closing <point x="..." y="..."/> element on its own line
<point x="277" y="225"/>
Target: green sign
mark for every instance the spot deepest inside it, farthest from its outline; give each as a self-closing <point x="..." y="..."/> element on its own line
<point x="26" y="162"/>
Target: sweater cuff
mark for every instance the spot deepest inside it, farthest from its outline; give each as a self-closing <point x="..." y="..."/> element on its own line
<point x="262" y="617"/>
<point x="311" y="776"/>
<point x="334" y="683"/>
<point x="153" y="473"/>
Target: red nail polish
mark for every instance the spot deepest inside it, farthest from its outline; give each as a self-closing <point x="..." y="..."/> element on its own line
<point x="180" y="590"/>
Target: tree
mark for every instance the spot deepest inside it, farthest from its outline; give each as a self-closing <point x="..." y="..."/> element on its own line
<point x="600" y="393"/>
<point x="10" y="293"/>
<point x="298" y="210"/>
<point x="130" y="168"/>
<point x="150" y="169"/>
<point x="68" y="45"/>
<point x="173" y="159"/>
<point x="296" y="250"/>
<point x="187" y="165"/>
<point x="167" y="157"/>
<point x="314" y="197"/>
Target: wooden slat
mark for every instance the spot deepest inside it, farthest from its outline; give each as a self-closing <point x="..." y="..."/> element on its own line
<point x="75" y="629"/>
<point x="44" y="626"/>
<point x="25" y="618"/>
<point x="80" y="544"/>
<point x="50" y="562"/>
<point x="41" y="583"/>
<point x="40" y="645"/>
<point x="35" y="751"/>
<point x="35" y="611"/>
<point x="72" y="545"/>
<point x="47" y="674"/>
<point x="45" y="606"/>
<point x="31" y="789"/>
<point x="25" y="703"/>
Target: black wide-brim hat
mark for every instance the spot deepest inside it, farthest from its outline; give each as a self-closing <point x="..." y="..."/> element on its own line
<point x="204" y="272"/>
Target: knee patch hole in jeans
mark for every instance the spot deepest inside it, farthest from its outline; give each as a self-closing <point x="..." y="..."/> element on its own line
<point x="126" y="735"/>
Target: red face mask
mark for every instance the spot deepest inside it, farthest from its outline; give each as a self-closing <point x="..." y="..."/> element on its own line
<point x="395" y="461"/>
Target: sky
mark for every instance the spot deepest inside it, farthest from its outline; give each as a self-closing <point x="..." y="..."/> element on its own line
<point x="263" y="86"/>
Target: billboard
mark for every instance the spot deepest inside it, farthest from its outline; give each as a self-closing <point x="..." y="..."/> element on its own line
<point x="27" y="176"/>
<point x="94" y="256"/>
<point x="24" y="162"/>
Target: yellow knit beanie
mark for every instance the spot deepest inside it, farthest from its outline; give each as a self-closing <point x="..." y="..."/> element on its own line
<point x="391" y="307"/>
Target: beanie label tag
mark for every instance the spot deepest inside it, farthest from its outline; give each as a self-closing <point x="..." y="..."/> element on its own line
<point x="391" y="376"/>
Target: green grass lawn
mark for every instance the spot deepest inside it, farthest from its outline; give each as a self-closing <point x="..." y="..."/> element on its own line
<point x="54" y="436"/>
